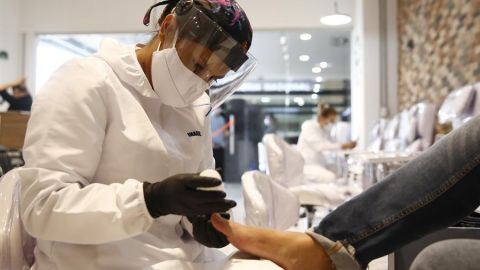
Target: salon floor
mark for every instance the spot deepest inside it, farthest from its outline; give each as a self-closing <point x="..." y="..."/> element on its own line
<point x="234" y="191"/>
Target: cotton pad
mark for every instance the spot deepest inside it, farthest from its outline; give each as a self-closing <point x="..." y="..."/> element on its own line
<point x="212" y="174"/>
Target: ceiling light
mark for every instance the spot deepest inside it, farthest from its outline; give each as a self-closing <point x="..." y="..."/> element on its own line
<point x="314" y="96"/>
<point x="283" y="40"/>
<point x="316" y="69"/>
<point x="323" y="64"/>
<point x="337" y="18"/>
<point x="319" y="79"/>
<point x="304" y="58"/>
<point x="265" y="100"/>
<point x="300" y="101"/>
<point x="317" y="87"/>
<point x="286" y="57"/>
<point x="305" y="36"/>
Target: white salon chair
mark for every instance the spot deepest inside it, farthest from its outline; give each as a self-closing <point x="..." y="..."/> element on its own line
<point x="417" y="128"/>
<point x="426" y="115"/>
<point x="392" y="141"/>
<point x="376" y="136"/>
<point x="286" y="167"/>
<point x="457" y="106"/>
<point x="16" y="246"/>
<point x="476" y="102"/>
<point x="406" y="134"/>
<point x="262" y="158"/>
<point x="386" y="138"/>
<point x="267" y="203"/>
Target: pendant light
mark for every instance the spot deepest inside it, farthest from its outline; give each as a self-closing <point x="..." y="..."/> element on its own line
<point x="337" y="18"/>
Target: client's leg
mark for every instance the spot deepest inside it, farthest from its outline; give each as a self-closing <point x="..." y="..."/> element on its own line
<point x="434" y="191"/>
<point x="289" y="250"/>
<point x="449" y="254"/>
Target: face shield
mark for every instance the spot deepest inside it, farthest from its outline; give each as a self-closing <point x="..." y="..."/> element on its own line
<point x="210" y="52"/>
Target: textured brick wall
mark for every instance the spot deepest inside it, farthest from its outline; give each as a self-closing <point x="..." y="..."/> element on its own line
<point x="439" y="48"/>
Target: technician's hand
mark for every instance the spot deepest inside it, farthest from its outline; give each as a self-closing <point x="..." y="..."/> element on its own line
<point x="178" y="195"/>
<point x="206" y="234"/>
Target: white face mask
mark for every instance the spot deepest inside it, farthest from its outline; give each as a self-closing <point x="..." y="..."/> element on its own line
<point x="173" y="82"/>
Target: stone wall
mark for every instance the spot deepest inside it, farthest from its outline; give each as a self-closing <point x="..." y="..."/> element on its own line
<point x="439" y="48"/>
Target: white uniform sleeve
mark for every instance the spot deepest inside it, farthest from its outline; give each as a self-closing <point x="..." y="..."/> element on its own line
<point x="317" y="141"/>
<point x="62" y="149"/>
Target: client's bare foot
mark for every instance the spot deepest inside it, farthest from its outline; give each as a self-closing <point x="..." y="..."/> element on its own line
<point x="291" y="251"/>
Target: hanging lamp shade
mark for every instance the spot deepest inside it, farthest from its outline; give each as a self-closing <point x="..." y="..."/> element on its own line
<point x="337" y="18"/>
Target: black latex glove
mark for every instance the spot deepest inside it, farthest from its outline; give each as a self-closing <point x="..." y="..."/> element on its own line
<point x="205" y="233"/>
<point x="178" y="195"/>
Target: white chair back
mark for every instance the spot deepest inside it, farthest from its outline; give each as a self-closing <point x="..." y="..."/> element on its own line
<point x="476" y="103"/>
<point x="457" y="106"/>
<point x="285" y="163"/>
<point x="394" y="137"/>
<point x="415" y="129"/>
<point x="375" y="140"/>
<point x="426" y="124"/>
<point x="391" y="131"/>
<point x="262" y="158"/>
<point x="268" y="204"/>
<point x="16" y="246"/>
<point x="408" y="126"/>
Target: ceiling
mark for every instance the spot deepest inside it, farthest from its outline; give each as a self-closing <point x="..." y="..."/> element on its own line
<point x="107" y="16"/>
<point x="272" y="64"/>
<point x="325" y="45"/>
<point x="293" y="14"/>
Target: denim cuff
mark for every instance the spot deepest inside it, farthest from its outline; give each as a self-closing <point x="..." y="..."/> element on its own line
<point x="341" y="256"/>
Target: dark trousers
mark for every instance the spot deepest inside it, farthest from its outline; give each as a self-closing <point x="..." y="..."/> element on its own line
<point x="219" y="156"/>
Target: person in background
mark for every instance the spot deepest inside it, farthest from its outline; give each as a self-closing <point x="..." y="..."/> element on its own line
<point x="315" y="138"/>
<point x="20" y="100"/>
<point x="435" y="190"/>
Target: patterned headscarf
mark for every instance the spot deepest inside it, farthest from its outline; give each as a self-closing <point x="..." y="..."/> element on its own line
<point x="231" y="17"/>
<point x="226" y="13"/>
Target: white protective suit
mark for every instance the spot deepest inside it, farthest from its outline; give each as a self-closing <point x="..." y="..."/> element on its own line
<point x="97" y="131"/>
<point x="313" y="142"/>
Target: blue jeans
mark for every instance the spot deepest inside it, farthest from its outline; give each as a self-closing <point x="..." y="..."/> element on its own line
<point x="433" y="191"/>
